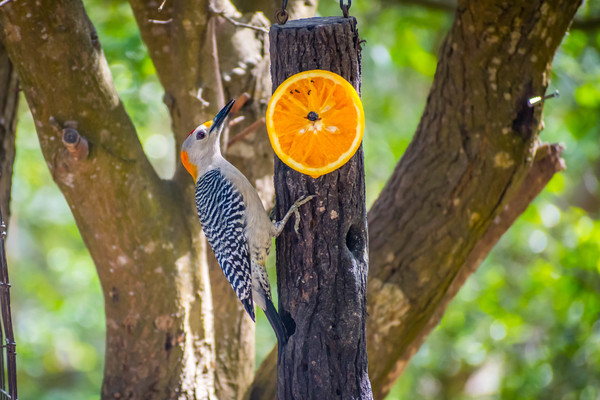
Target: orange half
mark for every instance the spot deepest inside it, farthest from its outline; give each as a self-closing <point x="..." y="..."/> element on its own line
<point x="315" y="121"/>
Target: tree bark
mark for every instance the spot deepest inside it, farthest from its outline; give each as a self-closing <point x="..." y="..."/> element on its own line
<point x="192" y="98"/>
<point x="322" y="271"/>
<point x="9" y="104"/>
<point x="220" y="61"/>
<point x="472" y="157"/>
<point x="474" y="146"/>
<point x="441" y="211"/>
<point x="584" y="24"/>
<point x="191" y="63"/>
<point x="148" y="256"/>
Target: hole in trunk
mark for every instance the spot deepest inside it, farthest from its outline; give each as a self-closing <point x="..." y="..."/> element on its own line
<point x="355" y="241"/>
<point x="288" y="321"/>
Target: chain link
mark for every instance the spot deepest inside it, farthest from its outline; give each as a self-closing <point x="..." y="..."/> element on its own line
<point x="345" y="8"/>
<point x="281" y="15"/>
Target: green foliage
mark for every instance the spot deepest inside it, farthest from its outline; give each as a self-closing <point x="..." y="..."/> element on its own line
<point x="525" y="325"/>
<point x="399" y="60"/>
<point x="56" y="298"/>
<point x="135" y="80"/>
<point x="57" y="302"/>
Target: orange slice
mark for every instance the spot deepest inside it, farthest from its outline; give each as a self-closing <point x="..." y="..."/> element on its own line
<point x="315" y="122"/>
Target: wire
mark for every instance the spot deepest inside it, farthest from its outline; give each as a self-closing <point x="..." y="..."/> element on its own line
<point x="345" y="8"/>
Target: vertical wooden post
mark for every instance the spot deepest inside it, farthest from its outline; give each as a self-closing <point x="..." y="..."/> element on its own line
<point x="322" y="271"/>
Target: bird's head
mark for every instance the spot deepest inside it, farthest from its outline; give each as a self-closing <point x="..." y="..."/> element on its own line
<point x="203" y="142"/>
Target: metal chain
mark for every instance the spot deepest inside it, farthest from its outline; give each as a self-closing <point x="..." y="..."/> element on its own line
<point x="345" y="8"/>
<point x="281" y="16"/>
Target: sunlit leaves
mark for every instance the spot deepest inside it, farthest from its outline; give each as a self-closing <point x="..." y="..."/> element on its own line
<point x="135" y="80"/>
<point x="57" y="303"/>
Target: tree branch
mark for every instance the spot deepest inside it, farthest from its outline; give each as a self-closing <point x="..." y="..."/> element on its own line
<point x="296" y="8"/>
<point x="472" y="151"/>
<point x="241" y="24"/>
<point x="547" y="163"/>
<point x="193" y="97"/>
<point x="584" y="24"/>
<point x="473" y="148"/>
<point x="440" y="5"/>
<point x="141" y="251"/>
<point x="220" y="60"/>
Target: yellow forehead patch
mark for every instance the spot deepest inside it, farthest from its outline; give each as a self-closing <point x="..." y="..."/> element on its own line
<point x="208" y="124"/>
<point x="191" y="168"/>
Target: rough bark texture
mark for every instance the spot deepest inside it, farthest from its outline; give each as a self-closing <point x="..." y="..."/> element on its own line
<point x="547" y="163"/>
<point x="474" y="146"/>
<point x="9" y="101"/>
<point x="157" y="299"/>
<point x="322" y="271"/>
<point x="463" y="180"/>
<point x="220" y="62"/>
<point x="192" y="98"/>
<point x="142" y="232"/>
<point x="441" y="212"/>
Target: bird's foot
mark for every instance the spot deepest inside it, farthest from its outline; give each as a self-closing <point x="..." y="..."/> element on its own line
<point x="293" y="210"/>
<point x="295" y="206"/>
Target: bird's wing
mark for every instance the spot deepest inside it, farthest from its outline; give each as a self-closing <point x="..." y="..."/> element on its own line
<point x="221" y="211"/>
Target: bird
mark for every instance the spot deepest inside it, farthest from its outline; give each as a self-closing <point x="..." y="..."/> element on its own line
<point x="234" y="219"/>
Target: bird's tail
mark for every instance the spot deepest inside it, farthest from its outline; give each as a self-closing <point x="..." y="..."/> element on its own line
<point x="277" y="324"/>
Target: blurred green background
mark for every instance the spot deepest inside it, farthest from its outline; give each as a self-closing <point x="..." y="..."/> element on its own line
<point x="525" y="326"/>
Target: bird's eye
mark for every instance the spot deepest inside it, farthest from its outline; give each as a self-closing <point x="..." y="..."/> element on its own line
<point x="201" y="134"/>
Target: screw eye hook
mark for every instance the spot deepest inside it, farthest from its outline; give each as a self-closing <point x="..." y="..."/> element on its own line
<point x="345" y="8"/>
<point x="281" y="15"/>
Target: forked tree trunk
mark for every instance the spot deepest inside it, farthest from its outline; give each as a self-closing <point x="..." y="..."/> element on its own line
<point x="142" y="231"/>
<point x="472" y="150"/>
<point x="137" y="227"/>
<point x="322" y="271"/>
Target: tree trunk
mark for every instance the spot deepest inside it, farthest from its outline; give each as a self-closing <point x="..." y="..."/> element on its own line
<point x="159" y="340"/>
<point x="9" y="102"/>
<point x="475" y="144"/>
<point x="442" y="210"/>
<point x="158" y="304"/>
<point x="322" y="271"/>
<point x="232" y="61"/>
<point x="472" y="167"/>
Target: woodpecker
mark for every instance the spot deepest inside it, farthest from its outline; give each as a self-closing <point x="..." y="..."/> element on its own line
<point x="234" y="220"/>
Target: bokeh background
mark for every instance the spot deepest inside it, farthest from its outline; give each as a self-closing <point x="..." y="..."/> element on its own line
<point x="525" y="326"/>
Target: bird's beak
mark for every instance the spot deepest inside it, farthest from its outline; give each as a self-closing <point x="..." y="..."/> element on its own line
<point x="220" y="118"/>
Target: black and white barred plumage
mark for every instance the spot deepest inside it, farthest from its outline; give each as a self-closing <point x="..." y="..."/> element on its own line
<point x="221" y="210"/>
<point x="234" y="219"/>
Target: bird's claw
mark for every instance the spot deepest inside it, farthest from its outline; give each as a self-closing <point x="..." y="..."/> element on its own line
<point x="303" y="200"/>
<point x="293" y="210"/>
<point x="295" y="206"/>
<point x="297" y="221"/>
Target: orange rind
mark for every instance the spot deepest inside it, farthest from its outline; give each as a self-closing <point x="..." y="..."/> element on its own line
<point x="315" y="121"/>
